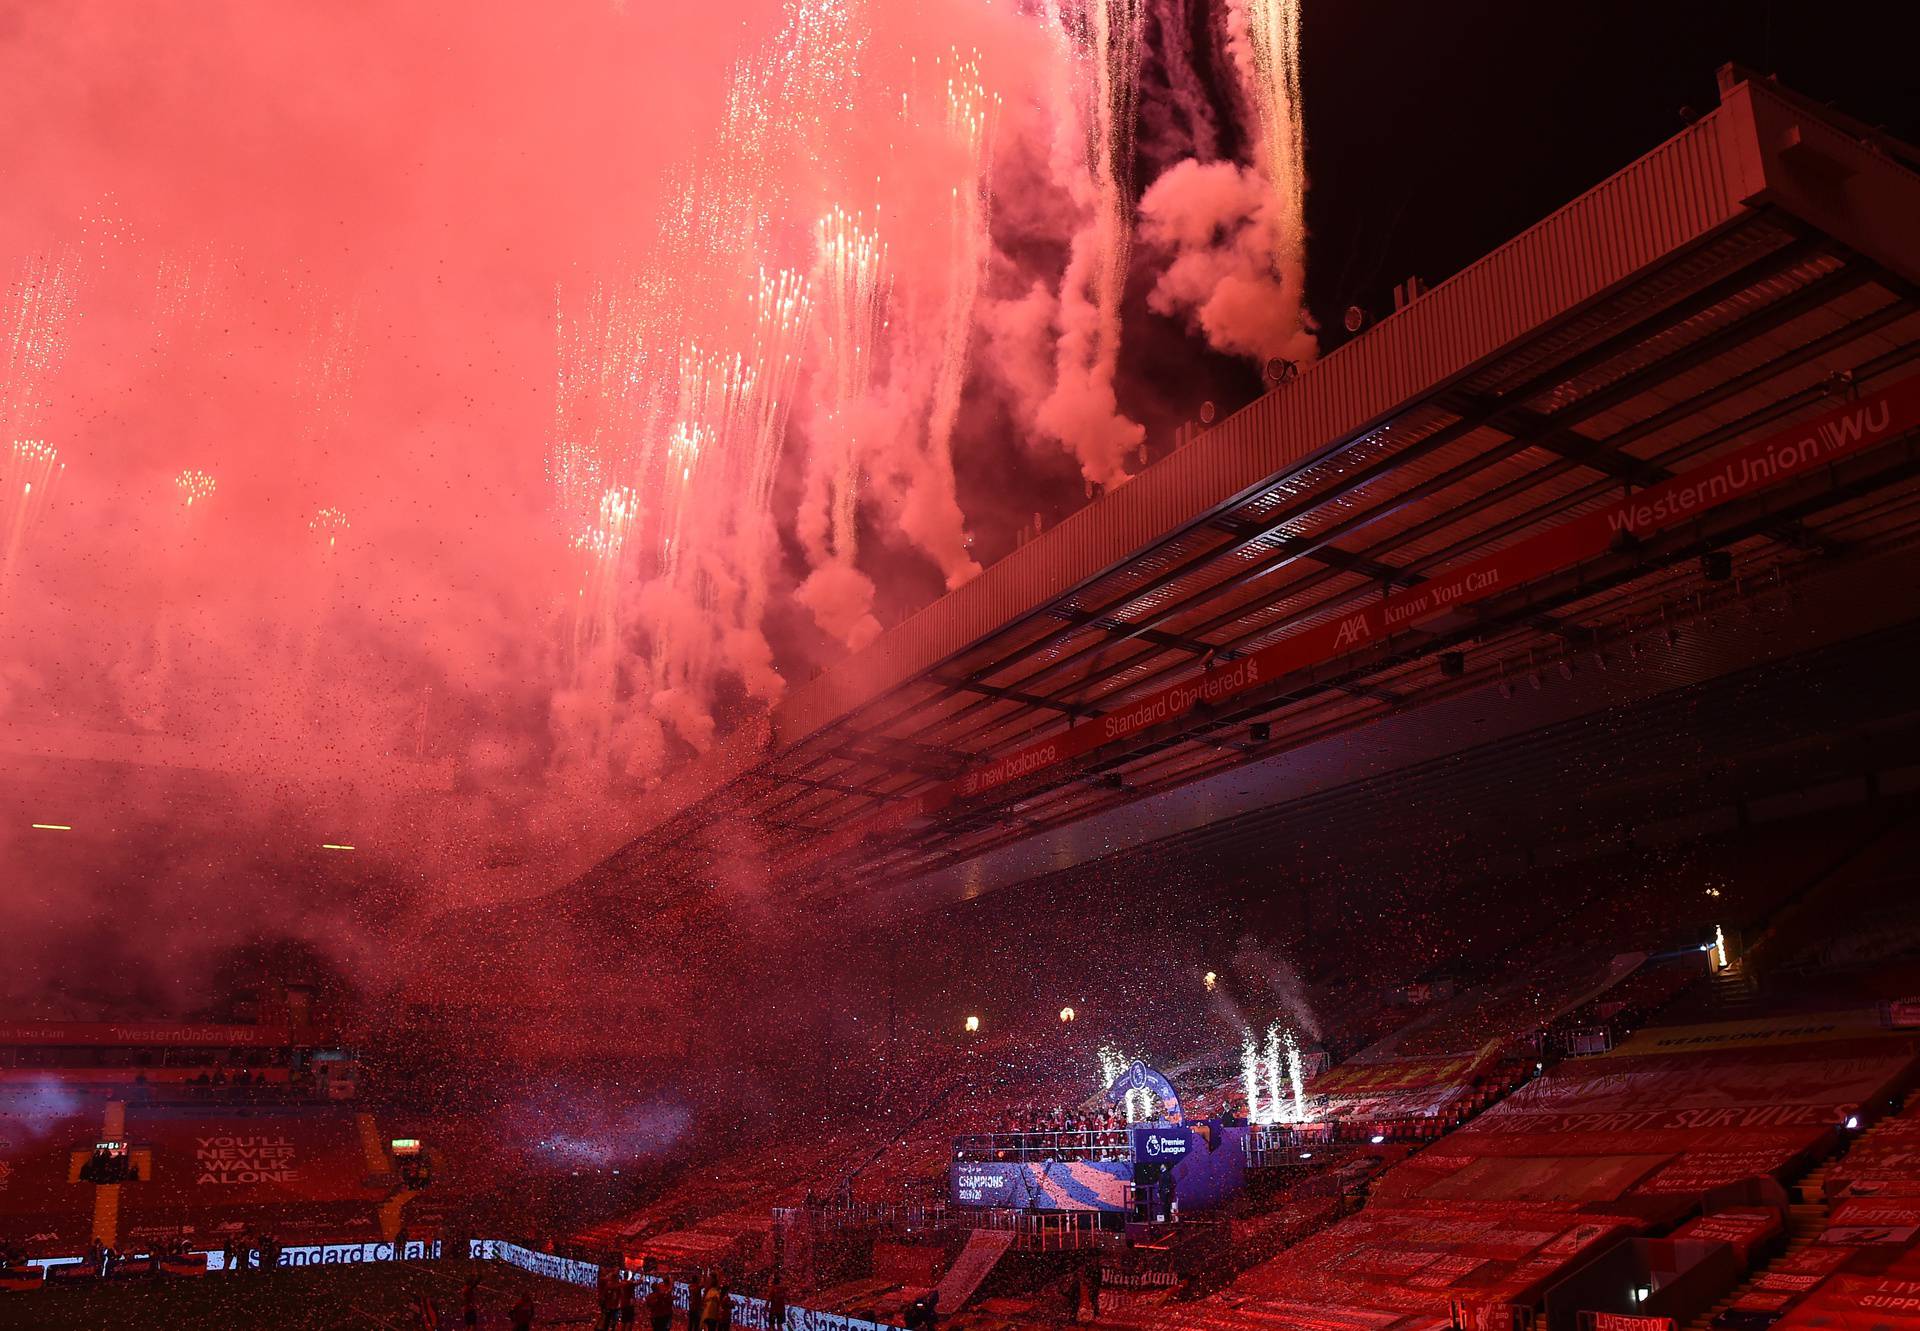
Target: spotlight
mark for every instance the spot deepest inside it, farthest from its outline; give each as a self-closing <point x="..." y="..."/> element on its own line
<point x="1261" y="731"/>
<point x="1716" y="566"/>
<point x="1853" y="1123"/>
<point x="973" y="1024"/>
<point x="1209" y="979"/>
<point x="1356" y="319"/>
<point x="1566" y="668"/>
<point x="1207" y="412"/>
<point x="1279" y="370"/>
<point x="1453" y="664"/>
<point x="1306" y="1155"/>
<point x="1066" y="1014"/>
<point x="1377" y="1138"/>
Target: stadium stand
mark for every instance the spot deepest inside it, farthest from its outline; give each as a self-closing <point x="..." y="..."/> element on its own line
<point x="45" y="1132"/>
<point x="304" y="1175"/>
<point x="1494" y="1185"/>
<point x="269" y="1063"/>
<point x="1495" y="1180"/>
<point x="1482" y="1223"/>
<point x="1445" y="1174"/>
<point x="202" y="1174"/>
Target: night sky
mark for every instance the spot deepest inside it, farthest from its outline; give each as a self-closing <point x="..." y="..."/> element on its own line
<point x="1435" y="133"/>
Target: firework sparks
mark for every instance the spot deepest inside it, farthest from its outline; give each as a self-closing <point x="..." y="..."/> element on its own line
<point x="40" y="304"/>
<point x="1265" y="40"/>
<point x="34" y="468"/>
<point x="971" y="111"/>
<point x="1250" y="1081"/>
<point x="716" y="394"/>
<point x="1101" y="41"/>
<point x="1296" y="1075"/>
<point x="1138" y="1104"/>
<point x="1273" y="1065"/>
<point x="607" y="389"/>
<point x="1108" y="33"/>
<point x="186" y="285"/>
<point x="603" y="551"/>
<point x="782" y="306"/>
<point x="854" y="287"/>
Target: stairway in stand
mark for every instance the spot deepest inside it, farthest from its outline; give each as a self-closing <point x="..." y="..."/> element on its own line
<point x="985" y="1248"/>
<point x="1734" y="992"/>
<point x="1806" y="1221"/>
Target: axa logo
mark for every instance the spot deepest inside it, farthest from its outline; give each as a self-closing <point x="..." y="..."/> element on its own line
<point x="1353" y="629"/>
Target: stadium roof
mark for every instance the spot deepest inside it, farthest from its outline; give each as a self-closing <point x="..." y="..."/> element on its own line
<point x="1491" y="471"/>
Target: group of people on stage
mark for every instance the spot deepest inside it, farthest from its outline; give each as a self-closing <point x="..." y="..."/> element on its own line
<point x="709" y="1302"/>
<point x="623" y="1303"/>
<point x="104" y="1260"/>
<point x="243" y="1253"/>
<point x="109" y="1163"/>
<point x="1062" y="1119"/>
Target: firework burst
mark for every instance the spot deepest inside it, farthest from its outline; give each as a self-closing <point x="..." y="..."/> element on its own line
<point x="328" y="525"/>
<point x="195" y="488"/>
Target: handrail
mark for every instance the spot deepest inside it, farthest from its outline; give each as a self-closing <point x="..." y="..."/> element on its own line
<point x="1041" y="1230"/>
<point x="1089" y="1144"/>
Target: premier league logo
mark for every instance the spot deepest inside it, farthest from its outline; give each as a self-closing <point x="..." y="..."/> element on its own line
<point x="1152" y="1145"/>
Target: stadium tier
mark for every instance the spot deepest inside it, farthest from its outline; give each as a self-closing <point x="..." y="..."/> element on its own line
<point x="1487" y="1181"/>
